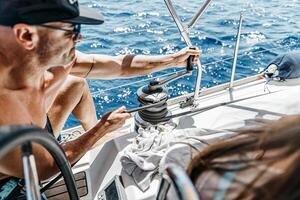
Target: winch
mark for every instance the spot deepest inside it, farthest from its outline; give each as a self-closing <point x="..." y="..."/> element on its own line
<point x="153" y="98"/>
<point x="157" y="96"/>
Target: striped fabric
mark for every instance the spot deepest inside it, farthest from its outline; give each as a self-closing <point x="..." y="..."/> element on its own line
<point x="230" y="178"/>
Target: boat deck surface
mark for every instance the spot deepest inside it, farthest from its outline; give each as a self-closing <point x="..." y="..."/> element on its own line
<point x="254" y="104"/>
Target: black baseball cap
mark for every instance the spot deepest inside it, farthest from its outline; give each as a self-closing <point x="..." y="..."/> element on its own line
<point x="42" y="11"/>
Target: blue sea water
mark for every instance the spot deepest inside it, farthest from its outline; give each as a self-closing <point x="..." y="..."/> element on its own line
<point x="146" y="27"/>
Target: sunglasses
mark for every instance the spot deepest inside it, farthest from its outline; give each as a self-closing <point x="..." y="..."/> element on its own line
<point x="75" y="32"/>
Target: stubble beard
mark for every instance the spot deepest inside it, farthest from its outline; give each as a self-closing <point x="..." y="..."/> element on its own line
<point x="49" y="56"/>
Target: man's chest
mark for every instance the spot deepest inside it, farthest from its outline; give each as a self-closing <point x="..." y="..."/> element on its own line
<point x="27" y="109"/>
<point x="29" y="106"/>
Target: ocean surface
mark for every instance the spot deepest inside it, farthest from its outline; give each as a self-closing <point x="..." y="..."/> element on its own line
<point x="145" y="27"/>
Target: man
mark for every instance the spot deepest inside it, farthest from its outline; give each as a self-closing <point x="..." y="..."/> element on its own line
<point x="37" y="54"/>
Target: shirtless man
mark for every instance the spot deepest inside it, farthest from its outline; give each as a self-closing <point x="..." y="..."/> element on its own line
<point x="37" y="53"/>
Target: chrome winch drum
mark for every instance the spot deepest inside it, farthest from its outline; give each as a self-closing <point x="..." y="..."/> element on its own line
<point x="154" y="115"/>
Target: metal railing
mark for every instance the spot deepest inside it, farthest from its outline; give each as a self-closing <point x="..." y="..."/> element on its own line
<point x="199" y="14"/>
<point x="184" y="31"/>
<point x="236" y="50"/>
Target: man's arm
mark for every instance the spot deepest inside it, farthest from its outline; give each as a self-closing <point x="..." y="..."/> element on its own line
<point x="108" y="67"/>
<point x="11" y="164"/>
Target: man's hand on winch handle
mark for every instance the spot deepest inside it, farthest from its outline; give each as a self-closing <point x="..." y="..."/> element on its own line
<point x="114" y="120"/>
<point x="181" y="57"/>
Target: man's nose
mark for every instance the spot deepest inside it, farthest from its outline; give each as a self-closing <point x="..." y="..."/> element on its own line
<point x="78" y="38"/>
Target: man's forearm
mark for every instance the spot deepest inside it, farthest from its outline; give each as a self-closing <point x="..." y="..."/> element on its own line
<point x="76" y="148"/>
<point x="107" y="67"/>
<point x="148" y="61"/>
<point x="135" y="65"/>
<point x="73" y="149"/>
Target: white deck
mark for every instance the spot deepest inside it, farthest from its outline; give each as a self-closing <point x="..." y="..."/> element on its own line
<point x="259" y="106"/>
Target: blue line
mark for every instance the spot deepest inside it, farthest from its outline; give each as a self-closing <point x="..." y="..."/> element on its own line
<point x="223" y="185"/>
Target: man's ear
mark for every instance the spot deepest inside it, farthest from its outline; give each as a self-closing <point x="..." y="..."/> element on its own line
<point x="26" y="35"/>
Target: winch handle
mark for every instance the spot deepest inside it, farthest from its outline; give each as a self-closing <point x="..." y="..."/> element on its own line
<point x="190" y="65"/>
<point x="153" y="85"/>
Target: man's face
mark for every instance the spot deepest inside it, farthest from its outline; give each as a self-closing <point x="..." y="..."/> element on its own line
<point x="56" y="46"/>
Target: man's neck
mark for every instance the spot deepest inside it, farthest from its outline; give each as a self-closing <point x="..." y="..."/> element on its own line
<point x="21" y="77"/>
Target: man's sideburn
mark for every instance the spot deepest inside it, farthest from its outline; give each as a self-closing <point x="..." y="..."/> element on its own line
<point x="43" y="48"/>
